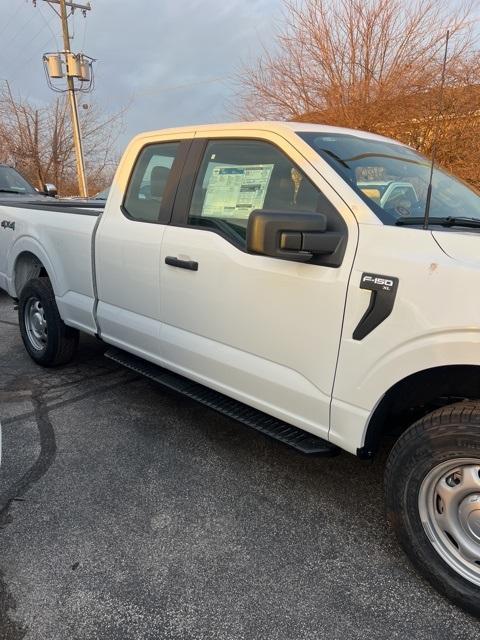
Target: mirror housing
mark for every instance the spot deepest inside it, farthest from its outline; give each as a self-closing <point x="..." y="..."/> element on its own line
<point x="50" y="189"/>
<point x="288" y="235"/>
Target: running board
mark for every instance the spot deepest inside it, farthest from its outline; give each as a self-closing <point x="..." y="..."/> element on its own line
<point x="293" y="436"/>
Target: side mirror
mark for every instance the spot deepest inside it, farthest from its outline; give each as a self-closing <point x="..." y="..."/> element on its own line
<point x="50" y="189"/>
<point x="290" y="235"/>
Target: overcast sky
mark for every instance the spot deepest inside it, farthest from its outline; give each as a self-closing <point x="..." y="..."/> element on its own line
<point x="170" y="60"/>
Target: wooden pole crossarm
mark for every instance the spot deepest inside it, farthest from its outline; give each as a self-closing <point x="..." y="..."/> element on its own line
<point x="72" y="5"/>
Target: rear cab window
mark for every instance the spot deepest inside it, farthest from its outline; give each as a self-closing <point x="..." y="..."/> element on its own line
<point x="146" y="189"/>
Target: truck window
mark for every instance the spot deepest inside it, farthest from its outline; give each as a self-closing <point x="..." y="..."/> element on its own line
<point x="238" y="176"/>
<point x="145" y="190"/>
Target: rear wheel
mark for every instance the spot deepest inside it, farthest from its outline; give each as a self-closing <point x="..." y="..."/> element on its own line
<point x="46" y="337"/>
<point x="433" y="500"/>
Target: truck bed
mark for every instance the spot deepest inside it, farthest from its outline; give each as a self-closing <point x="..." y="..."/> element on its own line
<point x="62" y="242"/>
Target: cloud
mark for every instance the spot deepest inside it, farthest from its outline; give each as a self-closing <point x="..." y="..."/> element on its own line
<point x="172" y="59"/>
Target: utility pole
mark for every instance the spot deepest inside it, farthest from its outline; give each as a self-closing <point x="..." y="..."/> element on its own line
<point x="79" y="76"/>
<point x="77" y="137"/>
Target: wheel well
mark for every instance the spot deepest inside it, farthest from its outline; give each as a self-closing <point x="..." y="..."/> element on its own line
<point x="27" y="266"/>
<point x="415" y="396"/>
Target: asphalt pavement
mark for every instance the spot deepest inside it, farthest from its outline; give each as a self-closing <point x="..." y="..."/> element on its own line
<point x="130" y="512"/>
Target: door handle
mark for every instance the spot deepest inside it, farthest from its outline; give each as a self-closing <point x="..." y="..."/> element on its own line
<point x="181" y="264"/>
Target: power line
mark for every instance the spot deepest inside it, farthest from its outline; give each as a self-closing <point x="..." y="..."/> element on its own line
<point x="42" y="28"/>
<point x="30" y="40"/>
<point x="8" y="23"/>
<point x="160" y="89"/>
<point x="47" y="22"/>
<point x="26" y="60"/>
<point x="85" y="24"/>
<point x="5" y="45"/>
<point x="163" y="89"/>
<point x="33" y="55"/>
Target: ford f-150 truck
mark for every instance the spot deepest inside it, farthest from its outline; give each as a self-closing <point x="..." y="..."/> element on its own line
<point x="287" y="275"/>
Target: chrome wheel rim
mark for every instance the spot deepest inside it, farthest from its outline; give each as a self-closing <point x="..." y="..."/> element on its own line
<point x="449" y="506"/>
<point x="36" y="324"/>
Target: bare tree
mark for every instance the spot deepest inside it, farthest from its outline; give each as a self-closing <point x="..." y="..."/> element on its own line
<point x="371" y="64"/>
<point x="38" y="141"/>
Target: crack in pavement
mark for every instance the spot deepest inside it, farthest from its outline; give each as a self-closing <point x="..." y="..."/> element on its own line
<point x="15" y="386"/>
<point x="9" y="628"/>
<point x="63" y="403"/>
<point x="44" y="460"/>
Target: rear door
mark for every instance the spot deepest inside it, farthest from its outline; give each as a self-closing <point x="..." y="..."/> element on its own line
<point x="128" y="244"/>
<point x="263" y="330"/>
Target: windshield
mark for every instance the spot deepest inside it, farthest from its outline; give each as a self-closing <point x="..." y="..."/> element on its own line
<point x="12" y="182"/>
<point x="393" y="179"/>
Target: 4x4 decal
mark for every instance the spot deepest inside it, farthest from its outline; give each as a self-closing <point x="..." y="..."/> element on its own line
<point x="8" y="224"/>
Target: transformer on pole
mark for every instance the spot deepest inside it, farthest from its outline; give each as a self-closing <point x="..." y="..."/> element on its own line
<point x="54" y="65"/>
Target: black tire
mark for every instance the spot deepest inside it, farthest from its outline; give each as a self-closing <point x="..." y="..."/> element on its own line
<point x="445" y="435"/>
<point x="59" y="343"/>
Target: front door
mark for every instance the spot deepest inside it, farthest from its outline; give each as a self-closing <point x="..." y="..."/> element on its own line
<point x="263" y="330"/>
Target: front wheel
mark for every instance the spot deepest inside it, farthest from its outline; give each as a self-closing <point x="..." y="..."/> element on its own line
<point x="432" y="483"/>
<point x="46" y="337"/>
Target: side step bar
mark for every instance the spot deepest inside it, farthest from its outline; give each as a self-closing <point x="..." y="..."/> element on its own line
<point x="293" y="436"/>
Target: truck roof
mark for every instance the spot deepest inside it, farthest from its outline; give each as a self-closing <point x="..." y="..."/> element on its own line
<point x="270" y="125"/>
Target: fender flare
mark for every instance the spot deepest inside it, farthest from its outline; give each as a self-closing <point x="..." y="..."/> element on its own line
<point x="442" y="384"/>
<point x="356" y="408"/>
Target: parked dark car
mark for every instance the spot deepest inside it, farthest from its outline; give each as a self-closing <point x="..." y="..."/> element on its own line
<point x="102" y="195"/>
<point x="14" y="186"/>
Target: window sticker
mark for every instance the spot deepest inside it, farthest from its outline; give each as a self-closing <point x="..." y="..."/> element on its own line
<point x="235" y="191"/>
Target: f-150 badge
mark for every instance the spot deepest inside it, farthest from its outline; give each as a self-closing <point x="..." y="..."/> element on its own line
<point x="378" y="283"/>
<point x="8" y="224"/>
<point x="382" y="299"/>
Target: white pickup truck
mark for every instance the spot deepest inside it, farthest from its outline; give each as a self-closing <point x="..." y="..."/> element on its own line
<point x="283" y="273"/>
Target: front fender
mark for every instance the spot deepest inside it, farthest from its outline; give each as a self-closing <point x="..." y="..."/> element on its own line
<point x="435" y="322"/>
